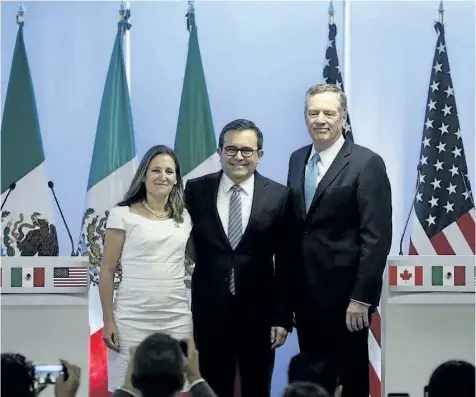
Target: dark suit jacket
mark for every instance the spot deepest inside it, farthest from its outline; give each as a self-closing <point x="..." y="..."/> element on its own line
<point x="261" y="288"/>
<point x="343" y="241"/>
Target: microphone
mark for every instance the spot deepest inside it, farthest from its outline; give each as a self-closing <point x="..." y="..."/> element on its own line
<point x="12" y="186"/>
<point x="51" y="186"/>
<point x="463" y="174"/>
<point x="411" y="209"/>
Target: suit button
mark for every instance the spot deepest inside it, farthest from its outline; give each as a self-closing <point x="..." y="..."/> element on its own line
<point x="306" y="231"/>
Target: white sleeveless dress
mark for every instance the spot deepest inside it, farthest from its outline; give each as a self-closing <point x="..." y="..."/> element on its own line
<point x="152" y="295"/>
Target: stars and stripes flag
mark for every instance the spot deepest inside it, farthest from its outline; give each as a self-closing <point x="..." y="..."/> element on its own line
<point x="64" y="277"/>
<point x="443" y="216"/>
<point x="332" y="75"/>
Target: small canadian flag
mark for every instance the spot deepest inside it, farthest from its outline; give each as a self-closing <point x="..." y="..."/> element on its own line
<point x="406" y="275"/>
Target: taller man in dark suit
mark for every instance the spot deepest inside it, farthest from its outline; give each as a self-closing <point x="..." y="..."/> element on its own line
<point x="240" y="305"/>
<point x="343" y="232"/>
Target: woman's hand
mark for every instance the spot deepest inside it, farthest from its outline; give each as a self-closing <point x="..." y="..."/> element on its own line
<point x="110" y="336"/>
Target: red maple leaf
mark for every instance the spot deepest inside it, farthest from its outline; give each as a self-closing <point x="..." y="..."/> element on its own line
<point x="406" y="275"/>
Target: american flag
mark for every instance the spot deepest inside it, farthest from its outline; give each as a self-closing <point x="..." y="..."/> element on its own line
<point x="443" y="216"/>
<point x="332" y="75"/>
<point x="70" y="277"/>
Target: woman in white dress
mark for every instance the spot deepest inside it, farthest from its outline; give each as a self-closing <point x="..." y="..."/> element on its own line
<point x="147" y="233"/>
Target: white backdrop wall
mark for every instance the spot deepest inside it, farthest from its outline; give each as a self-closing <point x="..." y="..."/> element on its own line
<point x="259" y="59"/>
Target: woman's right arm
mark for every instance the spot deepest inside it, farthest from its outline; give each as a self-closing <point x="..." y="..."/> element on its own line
<point x="113" y="243"/>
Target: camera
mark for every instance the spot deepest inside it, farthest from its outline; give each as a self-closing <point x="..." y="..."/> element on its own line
<point x="47" y="374"/>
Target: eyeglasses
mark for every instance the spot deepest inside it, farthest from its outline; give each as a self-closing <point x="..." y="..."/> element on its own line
<point x="245" y="151"/>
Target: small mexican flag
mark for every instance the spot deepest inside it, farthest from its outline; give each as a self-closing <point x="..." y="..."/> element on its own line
<point x="406" y="275"/>
<point x="27" y="277"/>
<point x="448" y="275"/>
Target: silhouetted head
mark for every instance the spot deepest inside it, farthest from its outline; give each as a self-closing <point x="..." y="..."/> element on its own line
<point x="304" y="367"/>
<point x="453" y="379"/>
<point x="158" y="366"/>
<point x="305" y="389"/>
<point x="17" y="376"/>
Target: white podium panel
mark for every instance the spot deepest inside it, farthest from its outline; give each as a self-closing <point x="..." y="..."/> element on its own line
<point x="44" y="311"/>
<point x="428" y="317"/>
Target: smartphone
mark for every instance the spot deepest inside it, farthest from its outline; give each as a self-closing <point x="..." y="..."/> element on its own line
<point x="184" y="347"/>
<point x="48" y="373"/>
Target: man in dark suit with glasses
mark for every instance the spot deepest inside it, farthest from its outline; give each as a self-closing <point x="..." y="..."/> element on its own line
<point x="240" y="300"/>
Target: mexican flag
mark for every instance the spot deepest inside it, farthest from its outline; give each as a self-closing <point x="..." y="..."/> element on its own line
<point x="27" y="277"/>
<point x="27" y="225"/>
<point x="113" y="165"/>
<point x="448" y="275"/>
<point x="195" y="142"/>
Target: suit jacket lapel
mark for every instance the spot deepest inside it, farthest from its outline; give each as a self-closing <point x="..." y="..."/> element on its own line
<point x="302" y="171"/>
<point x="339" y="163"/>
<point x="259" y="200"/>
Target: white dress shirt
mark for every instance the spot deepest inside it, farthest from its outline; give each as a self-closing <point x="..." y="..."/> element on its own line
<point x="327" y="157"/>
<point x="224" y="196"/>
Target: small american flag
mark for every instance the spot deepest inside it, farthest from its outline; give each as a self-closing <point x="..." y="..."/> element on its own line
<point x="443" y="219"/>
<point x="65" y="277"/>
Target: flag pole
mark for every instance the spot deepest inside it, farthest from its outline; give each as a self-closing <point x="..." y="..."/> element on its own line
<point x="124" y="13"/>
<point x="331" y="13"/>
<point x="441" y="12"/>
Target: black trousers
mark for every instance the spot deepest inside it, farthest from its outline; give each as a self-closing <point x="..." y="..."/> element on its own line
<point x="327" y="338"/>
<point x="229" y="342"/>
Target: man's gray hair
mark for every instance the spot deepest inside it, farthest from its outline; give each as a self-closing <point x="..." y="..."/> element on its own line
<point x="320" y="88"/>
